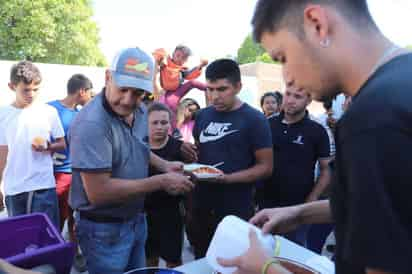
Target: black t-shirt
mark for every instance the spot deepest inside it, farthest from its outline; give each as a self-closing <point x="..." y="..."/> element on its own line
<point x="232" y="138"/>
<point x="296" y="149"/>
<point x="371" y="196"/>
<point x="161" y="200"/>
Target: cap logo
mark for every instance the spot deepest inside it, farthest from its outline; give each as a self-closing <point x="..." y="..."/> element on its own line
<point x="134" y="66"/>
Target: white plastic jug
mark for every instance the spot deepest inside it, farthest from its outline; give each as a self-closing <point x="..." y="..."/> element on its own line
<point x="231" y="239"/>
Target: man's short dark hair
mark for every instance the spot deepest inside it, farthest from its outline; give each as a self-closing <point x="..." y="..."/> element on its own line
<point x="271" y="15"/>
<point x="223" y="69"/>
<point x="25" y="72"/>
<point x="276" y="94"/>
<point x="78" y="82"/>
<point x="156" y="106"/>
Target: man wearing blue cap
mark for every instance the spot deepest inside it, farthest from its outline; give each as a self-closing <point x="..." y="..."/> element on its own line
<point x="110" y="160"/>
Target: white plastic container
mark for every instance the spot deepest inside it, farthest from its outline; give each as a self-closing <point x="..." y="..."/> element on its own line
<point x="231" y="239"/>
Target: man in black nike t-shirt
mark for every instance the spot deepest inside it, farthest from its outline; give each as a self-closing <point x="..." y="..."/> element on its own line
<point x="235" y="134"/>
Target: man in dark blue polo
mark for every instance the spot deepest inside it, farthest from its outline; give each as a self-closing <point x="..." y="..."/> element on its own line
<point x="110" y="160"/>
<point x="298" y="143"/>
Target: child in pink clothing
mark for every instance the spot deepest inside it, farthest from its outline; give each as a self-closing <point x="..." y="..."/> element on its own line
<point x="176" y="79"/>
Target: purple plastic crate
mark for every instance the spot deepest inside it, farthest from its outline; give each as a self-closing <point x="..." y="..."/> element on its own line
<point x="32" y="240"/>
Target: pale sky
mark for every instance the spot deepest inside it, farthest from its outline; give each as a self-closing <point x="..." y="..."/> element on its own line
<point x="212" y="28"/>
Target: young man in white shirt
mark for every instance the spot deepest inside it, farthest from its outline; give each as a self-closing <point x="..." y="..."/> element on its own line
<point x="27" y="129"/>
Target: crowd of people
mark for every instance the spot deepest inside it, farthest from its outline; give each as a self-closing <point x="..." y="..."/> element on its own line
<point x="111" y="164"/>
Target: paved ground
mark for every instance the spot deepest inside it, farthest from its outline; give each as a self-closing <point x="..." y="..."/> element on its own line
<point x="187" y="254"/>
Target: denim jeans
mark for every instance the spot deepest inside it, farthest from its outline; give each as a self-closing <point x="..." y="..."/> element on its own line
<point x="43" y="201"/>
<point x="112" y="248"/>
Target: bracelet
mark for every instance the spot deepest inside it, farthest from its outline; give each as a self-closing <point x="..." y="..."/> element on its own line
<point x="267" y="264"/>
<point x="277" y="247"/>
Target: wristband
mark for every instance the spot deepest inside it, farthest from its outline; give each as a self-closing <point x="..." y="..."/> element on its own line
<point x="267" y="264"/>
<point x="277" y="247"/>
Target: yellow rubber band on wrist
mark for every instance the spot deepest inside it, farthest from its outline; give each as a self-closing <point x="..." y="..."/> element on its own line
<point x="277" y="247"/>
<point x="267" y="264"/>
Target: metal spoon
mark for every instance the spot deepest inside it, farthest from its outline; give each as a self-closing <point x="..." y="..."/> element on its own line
<point x="218" y="164"/>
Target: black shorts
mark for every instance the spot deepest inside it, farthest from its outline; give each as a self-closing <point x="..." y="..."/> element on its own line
<point x="165" y="235"/>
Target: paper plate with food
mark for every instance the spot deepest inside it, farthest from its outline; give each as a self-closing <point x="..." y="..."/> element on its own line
<point x="203" y="172"/>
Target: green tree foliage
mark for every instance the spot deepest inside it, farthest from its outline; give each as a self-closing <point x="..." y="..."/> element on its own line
<point x="265" y="58"/>
<point x="49" y="31"/>
<point x="250" y="52"/>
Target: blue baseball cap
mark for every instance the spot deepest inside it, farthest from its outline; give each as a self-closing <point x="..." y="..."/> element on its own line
<point x="133" y="68"/>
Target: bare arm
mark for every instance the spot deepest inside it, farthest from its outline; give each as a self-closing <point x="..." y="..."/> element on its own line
<point x="3" y="160"/>
<point x="58" y="145"/>
<point x="277" y="269"/>
<point x="156" y="87"/>
<point x="253" y="260"/>
<point x="102" y="189"/>
<point x="262" y="169"/>
<point x="286" y="219"/>
<point x="374" y="271"/>
<point x="317" y="212"/>
<point x="323" y="181"/>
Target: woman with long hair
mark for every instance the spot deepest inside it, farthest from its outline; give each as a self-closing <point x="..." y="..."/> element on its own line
<point x="185" y="119"/>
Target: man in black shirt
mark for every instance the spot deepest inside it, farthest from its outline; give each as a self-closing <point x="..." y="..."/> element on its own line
<point x="298" y="143"/>
<point x="328" y="46"/>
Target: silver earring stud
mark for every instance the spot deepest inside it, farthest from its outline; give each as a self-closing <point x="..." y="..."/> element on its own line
<point x="325" y="43"/>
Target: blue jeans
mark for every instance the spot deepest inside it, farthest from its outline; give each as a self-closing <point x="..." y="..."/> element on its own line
<point x="112" y="248"/>
<point x="43" y="201"/>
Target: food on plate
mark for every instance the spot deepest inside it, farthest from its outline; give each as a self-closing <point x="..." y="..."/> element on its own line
<point x="203" y="172"/>
<point x="295" y="267"/>
<point x="207" y="170"/>
<point x="292" y="267"/>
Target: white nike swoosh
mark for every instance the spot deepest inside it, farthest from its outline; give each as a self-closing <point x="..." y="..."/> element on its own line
<point x="205" y="139"/>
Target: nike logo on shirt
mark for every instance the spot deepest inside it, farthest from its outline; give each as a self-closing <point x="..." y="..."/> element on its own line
<point x="215" y="131"/>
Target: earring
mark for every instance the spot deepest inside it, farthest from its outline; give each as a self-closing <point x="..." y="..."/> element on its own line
<point x="325" y="42"/>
